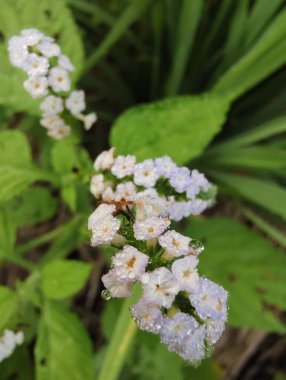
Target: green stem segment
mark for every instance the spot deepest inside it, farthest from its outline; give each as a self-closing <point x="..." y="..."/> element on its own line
<point x="119" y="345"/>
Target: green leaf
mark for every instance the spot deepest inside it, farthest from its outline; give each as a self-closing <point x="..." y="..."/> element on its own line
<point x="181" y="127"/>
<point x="248" y="266"/>
<point x="7" y="232"/>
<point x="64" y="156"/>
<point x="63" y="278"/>
<point x="266" y="194"/>
<point x="190" y="15"/>
<point x="266" y="56"/>
<point x="16" y="170"/>
<point x="33" y="206"/>
<point x="69" y="195"/>
<point x="8" y="307"/>
<point x="54" y="19"/>
<point x="63" y="348"/>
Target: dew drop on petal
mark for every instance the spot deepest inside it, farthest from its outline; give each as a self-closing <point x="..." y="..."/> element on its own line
<point x="196" y="246"/>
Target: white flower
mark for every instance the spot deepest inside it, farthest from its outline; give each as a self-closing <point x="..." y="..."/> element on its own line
<point x="60" y="132"/>
<point x="126" y="191"/>
<point x="185" y="272"/>
<point x="108" y="194"/>
<point x="65" y="63"/>
<point x="8" y="342"/>
<point x="51" y="121"/>
<point x="149" y="204"/>
<point x="89" y="120"/>
<point x="176" y="329"/>
<point x="35" y="65"/>
<point x="75" y="103"/>
<point x="180" y="179"/>
<point x="116" y="287"/>
<point x="32" y="36"/>
<point x="179" y="210"/>
<point x="160" y="288"/>
<point x="165" y="166"/>
<point x="103" y="224"/>
<point x="145" y="174"/>
<point x="123" y="166"/>
<point x="147" y="316"/>
<point x="197" y="206"/>
<point x="18" y="51"/>
<point x="149" y="228"/>
<point x="194" y="350"/>
<point x="36" y="86"/>
<point x="198" y="183"/>
<point x="210" y="300"/>
<point x="97" y="185"/>
<point x="49" y="49"/>
<point x="214" y="330"/>
<point x="59" y="79"/>
<point x="130" y="264"/>
<point x="52" y="105"/>
<point x="175" y="243"/>
<point x="104" y="160"/>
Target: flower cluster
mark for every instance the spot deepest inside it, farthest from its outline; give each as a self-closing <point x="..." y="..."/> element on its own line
<point x="48" y="73"/>
<point x="182" y="192"/>
<point x="188" y="311"/>
<point x="8" y="342"/>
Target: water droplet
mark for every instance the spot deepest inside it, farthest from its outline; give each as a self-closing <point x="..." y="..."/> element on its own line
<point x="105" y="294"/>
<point x="197" y="246"/>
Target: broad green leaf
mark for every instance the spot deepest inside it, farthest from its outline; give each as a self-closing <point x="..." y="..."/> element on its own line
<point x="53" y="18"/>
<point x="64" y="156"/>
<point x="266" y="56"/>
<point x="248" y="266"/>
<point x="16" y="170"/>
<point x="181" y="127"/>
<point x="266" y="194"/>
<point x="8" y="307"/>
<point x="63" y="348"/>
<point x="63" y="278"/>
<point x="34" y="206"/>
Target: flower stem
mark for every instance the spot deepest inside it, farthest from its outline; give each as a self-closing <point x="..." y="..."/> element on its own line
<point x="124" y="332"/>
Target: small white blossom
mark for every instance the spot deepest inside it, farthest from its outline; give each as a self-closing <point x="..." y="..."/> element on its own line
<point x="175" y="243"/>
<point x="194" y="350"/>
<point x="52" y="105"/>
<point x="116" y="287"/>
<point x="104" y="160"/>
<point x="60" y="132"/>
<point x="123" y="166"/>
<point x="149" y="204"/>
<point x="185" y="272"/>
<point x="214" y="330"/>
<point x="176" y="330"/>
<point x="8" y="342"/>
<point x="32" y="36"/>
<point x="65" y="63"/>
<point x="160" y="288"/>
<point x="130" y="264"/>
<point x="103" y="224"/>
<point x="36" y="86"/>
<point x="179" y="210"/>
<point x="126" y="191"/>
<point x="75" y="103"/>
<point x="18" y="51"/>
<point x="51" y="121"/>
<point x="49" y="49"/>
<point x="34" y="65"/>
<point x="145" y="174"/>
<point x="210" y="300"/>
<point x="147" y="316"/>
<point x="150" y="228"/>
<point x="108" y="194"/>
<point x="165" y="166"/>
<point x="97" y="185"/>
<point x="59" y="79"/>
<point x="180" y="179"/>
<point x="197" y="206"/>
<point x="89" y="120"/>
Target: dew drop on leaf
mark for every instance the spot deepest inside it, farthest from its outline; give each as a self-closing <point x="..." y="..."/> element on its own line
<point x="105" y="294"/>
